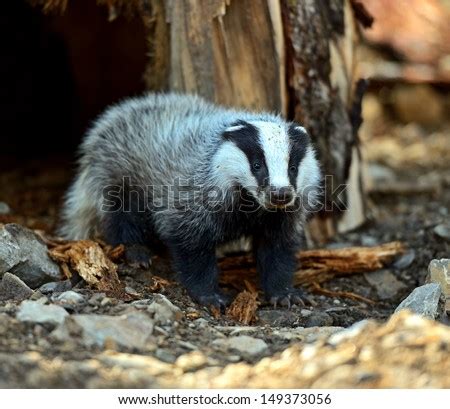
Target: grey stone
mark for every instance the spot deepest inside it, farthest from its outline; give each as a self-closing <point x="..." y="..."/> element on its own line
<point x="55" y="287"/>
<point x="439" y="272"/>
<point x="164" y="312"/>
<point x="405" y="260"/>
<point x="368" y="241"/>
<point x="13" y="288"/>
<point x="4" y="208"/>
<point x="278" y="318"/>
<point x="23" y="254"/>
<point x="425" y="300"/>
<point x="319" y="319"/>
<point x="165" y="355"/>
<point x="385" y="283"/>
<point x="443" y="231"/>
<point x="38" y="313"/>
<point x="70" y="298"/>
<point x="244" y="345"/>
<point x="305" y="334"/>
<point x="129" y="331"/>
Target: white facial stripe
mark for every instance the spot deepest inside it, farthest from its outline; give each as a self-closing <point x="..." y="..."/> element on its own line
<point x="231" y="165"/>
<point x="275" y="144"/>
<point x="308" y="172"/>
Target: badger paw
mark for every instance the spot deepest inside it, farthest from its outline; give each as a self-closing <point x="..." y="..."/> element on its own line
<point x="138" y="256"/>
<point x="286" y="298"/>
<point x="216" y="300"/>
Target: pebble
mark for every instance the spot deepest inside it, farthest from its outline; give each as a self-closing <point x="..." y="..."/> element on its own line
<point x="278" y="317"/>
<point x="165" y="355"/>
<point x="443" y="231"/>
<point x="244" y="345"/>
<point x="55" y="287"/>
<point x="385" y="283"/>
<point x="424" y="300"/>
<point x="129" y="331"/>
<point x="70" y="297"/>
<point x="319" y="319"/>
<point x="13" y="288"/>
<point x="164" y="312"/>
<point x="23" y="254"/>
<point x="439" y="272"/>
<point x="38" y="313"/>
<point x="4" y="208"/>
<point x="405" y="260"/>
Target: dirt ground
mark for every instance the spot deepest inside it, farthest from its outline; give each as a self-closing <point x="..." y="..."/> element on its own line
<point x="408" y="197"/>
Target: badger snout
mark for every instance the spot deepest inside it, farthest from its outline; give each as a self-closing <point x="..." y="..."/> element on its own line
<point x="281" y="196"/>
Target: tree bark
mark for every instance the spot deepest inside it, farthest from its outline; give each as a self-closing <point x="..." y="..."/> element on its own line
<point x="294" y="57"/>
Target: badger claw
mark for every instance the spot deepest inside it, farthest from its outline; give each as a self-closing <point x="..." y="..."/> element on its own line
<point x="138" y="256"/>
<point x="216" y="300"/>
<point x="287" y="298"/>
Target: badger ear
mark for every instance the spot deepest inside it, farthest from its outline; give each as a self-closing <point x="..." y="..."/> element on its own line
<point x="235" y="127"/>
<point x="298" y="133"/>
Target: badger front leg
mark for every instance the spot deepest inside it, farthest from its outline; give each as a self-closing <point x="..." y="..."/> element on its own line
<point x="196" y="265"/>
<point x="276" y="262"/>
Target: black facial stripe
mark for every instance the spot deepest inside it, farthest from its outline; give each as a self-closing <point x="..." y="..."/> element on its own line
<point x="247" y="140"/>
<point x="300" y="141"/>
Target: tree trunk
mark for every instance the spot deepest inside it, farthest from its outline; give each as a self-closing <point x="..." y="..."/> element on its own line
<point x="294" y="57"/>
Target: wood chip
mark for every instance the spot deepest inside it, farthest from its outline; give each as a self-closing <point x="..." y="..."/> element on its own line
<point x="243" y="308"/>
<point x="159" y="284"/>
<point x="88" y="259"/>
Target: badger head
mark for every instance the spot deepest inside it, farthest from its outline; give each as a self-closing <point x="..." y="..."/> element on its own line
<point x="273" y="160"/>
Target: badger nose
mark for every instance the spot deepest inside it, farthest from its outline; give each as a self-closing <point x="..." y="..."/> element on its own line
<point x="282" y="195"/>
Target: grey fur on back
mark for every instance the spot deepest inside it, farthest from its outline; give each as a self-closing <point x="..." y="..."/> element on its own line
<point x="155" y="139"/>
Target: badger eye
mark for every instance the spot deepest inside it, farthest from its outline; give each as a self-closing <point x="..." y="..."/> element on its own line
<point x="293" y="168"/>
<point x="256" y="165"/>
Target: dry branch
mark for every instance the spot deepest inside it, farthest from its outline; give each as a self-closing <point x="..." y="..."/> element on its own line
<point x="317" y="266"/>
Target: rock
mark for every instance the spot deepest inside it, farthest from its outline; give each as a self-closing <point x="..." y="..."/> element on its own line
<point x="439" y="272"/>
<point x="247" y="347"/>
<point x="38" y="313"/>
<point x="368" y="241"/>
<point x="425" y="300"/>
<point x="305" y="334"/>
<point x="442" y="231"/>
<point x="319" y="319"/>
<point x="165" y="355"/>
<point x="405" y="260"/>
<point x="278" y="318"/>
<point x="70" y="298"/>
<point x="164" y="312"/>
<point x="385" y="284"/>
<point x="55" y="287"/>
<point x="4" y="208"/>
<point x="13" y="288"/>
<point x="23" y="254"/>
<point x="129" y="331"/>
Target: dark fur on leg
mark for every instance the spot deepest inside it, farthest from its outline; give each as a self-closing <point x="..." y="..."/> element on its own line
<point x="275" y="247"/>
<point x="197" y="267"/>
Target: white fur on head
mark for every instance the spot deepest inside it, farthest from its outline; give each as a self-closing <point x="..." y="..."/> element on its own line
<point x="308" y="178"/>
<point x="275" y="144"/>
<point x="230" y="166"/>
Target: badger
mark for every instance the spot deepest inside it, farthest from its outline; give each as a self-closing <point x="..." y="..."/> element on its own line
<point x="178" y="171"/>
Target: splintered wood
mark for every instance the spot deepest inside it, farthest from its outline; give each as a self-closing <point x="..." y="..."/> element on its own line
<point x="88" y="259"/>
<point x="318" y="266"/>
<point x="243" y="308"/>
